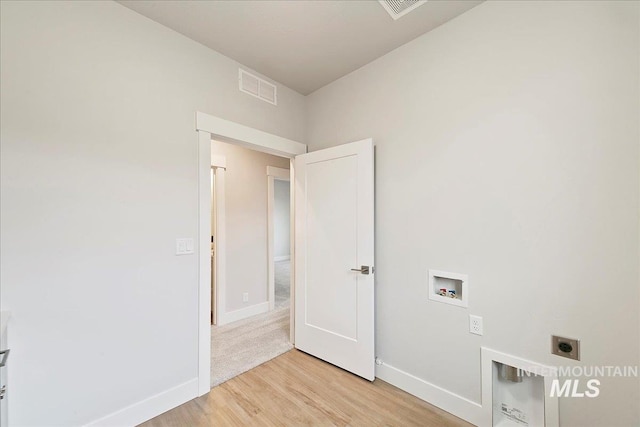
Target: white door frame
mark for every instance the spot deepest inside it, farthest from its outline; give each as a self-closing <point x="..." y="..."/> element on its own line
<point x="273" y="174"/>
<point x="208" y="128"/>
<point x="219" y="168"/>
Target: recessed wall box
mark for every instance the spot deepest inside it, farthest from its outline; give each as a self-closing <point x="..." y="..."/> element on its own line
<point x="448" y="288"/>
<point x="517" y="392"/>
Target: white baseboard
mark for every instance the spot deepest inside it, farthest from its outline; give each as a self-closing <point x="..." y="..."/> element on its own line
<point x="282" y="258"/>
<point x="243" y="313"/>
<point x="457" y="405"/>
<point x="151" y="407"/>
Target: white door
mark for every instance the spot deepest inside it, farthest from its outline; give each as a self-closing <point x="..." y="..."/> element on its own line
<point x="334" y="247"/>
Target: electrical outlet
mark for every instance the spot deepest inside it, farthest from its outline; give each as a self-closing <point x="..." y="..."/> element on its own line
<point x="565" y="347"/>
<point x="245" y="297"/>
<point x="475" y="324"/>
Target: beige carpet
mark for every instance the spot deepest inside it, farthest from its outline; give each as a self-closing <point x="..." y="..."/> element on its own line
<point x="243" y="345"/>
<point x="282" y="275"/>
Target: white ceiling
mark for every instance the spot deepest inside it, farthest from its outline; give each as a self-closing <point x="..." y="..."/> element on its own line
<point x="301" y="44"/>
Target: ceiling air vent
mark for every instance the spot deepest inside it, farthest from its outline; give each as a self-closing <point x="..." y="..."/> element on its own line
<point x="399" y="8"/>
<point x="255" y="86"/>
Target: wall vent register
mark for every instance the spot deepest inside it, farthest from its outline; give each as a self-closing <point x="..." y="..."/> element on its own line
<point x="255" y="86"/>
<point x="399" y="8"/>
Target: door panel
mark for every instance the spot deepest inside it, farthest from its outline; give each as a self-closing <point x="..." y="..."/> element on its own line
<point x="332" y="183"/>
<point x="334" y="234"/>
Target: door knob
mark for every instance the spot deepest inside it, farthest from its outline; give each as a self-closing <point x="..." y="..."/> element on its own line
<point x="365" y="269"/>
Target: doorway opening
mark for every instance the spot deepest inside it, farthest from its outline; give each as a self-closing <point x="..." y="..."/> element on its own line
<point x="210" y="127"/>
<point x="251" y="301"/>
<point x="334" y="210"/>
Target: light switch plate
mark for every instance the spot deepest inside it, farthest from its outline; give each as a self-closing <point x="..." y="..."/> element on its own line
<point x="184" y="246"/>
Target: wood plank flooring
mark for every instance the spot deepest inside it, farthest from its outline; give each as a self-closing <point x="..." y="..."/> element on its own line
<point x="296" y="389"/>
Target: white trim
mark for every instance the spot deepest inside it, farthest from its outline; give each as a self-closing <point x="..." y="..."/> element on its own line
<point x="271" y="274"/>
<point x="235" y="133"/>
<point x="457" y="405"/>
<point x="273" y="173"/>
<point x="204" y="263"/>
<point x="292" y="252"/>
<point x="282" y="258"/>
<point x="551" y="404"/>
<point x="214" y="303"/>
<point x="243" y="313"/>
<point x="219" y="166"/>
<point x="148" y="408"/>
<point x="221" y="244"/>
<point x="278" y="173"/>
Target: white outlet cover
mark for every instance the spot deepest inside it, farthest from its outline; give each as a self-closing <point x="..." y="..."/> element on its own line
<point x="475" y="325"/>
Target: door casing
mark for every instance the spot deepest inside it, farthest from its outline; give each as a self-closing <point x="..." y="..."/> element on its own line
<point x="274" y="174"/>
<point x="210" y="127"/>
<point x="218" y="231"/>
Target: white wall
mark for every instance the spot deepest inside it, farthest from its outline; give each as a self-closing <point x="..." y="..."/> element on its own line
<point x="99" y="177"/>
<point x="246" y="222"/>
<point x="507" y="149"/>
<point x="281" y="218"/>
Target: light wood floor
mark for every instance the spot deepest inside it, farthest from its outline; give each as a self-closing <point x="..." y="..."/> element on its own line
<point x="296" y="389"/>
